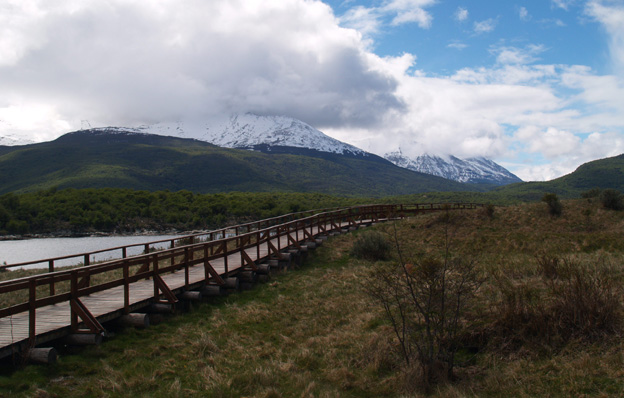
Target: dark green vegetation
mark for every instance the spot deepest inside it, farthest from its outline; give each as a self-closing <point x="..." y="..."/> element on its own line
<point x="603" y="174"/>
<point x="315" y="332"/>
<point x="72" y="211"/>
<point x="554" y="205"/>
<point x="97" y="159"/>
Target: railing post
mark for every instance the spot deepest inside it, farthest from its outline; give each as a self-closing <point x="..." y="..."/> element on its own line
<point x="258" y="245"/>
<point x="126" y="276"/>
<point x="155" y="274"/>
<point x="124" y="253"/>
<point x="51" y="269"/>
<point x="74" y="295"/>
<point x="192" y="250"/>
<point x="186" y="265"/>
<point x="32" y="308"/>
<point x="225" y="256"/>
<point x="86" y="259"/>
<point x="206" y="273"/>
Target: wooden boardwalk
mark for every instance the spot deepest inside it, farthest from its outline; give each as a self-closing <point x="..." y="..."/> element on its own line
<point x="76" y="302"/>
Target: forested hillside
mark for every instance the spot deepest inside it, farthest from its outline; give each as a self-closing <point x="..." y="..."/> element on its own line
<point x="101" y="159"/>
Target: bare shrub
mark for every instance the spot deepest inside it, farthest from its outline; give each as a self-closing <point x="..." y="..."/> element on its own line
<point x="425" y="301"/>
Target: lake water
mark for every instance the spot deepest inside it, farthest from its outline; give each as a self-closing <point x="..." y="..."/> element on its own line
<point x="19" y="251"/>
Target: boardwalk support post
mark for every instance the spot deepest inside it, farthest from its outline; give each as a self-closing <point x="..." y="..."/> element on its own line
<point x="140" y="321"/>
<point x="45" y="355"/>
<point x="83" y="339"/>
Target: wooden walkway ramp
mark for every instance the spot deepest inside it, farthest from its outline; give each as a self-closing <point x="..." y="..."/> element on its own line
<point x="76" y="302"/>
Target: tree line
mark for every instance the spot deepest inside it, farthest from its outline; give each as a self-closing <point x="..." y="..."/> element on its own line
<point x="79" y="211"/>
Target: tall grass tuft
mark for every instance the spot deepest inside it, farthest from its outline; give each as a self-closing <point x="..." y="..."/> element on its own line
<point x="568" y="300"/>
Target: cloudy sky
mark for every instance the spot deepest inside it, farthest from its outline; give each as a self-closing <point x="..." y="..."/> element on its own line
<point x="536" y="85"/>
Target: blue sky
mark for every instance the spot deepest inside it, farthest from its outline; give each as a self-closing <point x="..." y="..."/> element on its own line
<point x="537" y="86"/>
<point x="447" y="38"/>
<point x="467" y="34"/>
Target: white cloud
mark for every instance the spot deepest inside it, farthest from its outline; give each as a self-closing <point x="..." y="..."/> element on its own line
<point x="461" y="14"/>
<point x="523" y="13"/>
<point x="119" y="62"/>
<point x="364" y="20"/>
<point x="485" y="26"/>
<point x="115" y="62"/>
<point x="551" y="143"/>
<point x="612" y="18"/>
<point x="370" y="20"/>
<point x="514" y="55"/>
<point x="457" y="45"/>
<point x="408" y="11"/>
<point x="564" y="151"/>
<point x="418" y="15"/>
<point x="564" y="4"/>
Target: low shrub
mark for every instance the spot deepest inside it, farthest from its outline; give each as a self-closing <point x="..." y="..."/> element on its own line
<point x="612" y="199"/>
<point x="487" y="211"/>
<point x="372" y="246"/>
<point x="554" y="205"/>
<point x="592" y="193"/>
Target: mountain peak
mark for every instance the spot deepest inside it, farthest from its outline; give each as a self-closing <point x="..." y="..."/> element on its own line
<point x="250" y="131"/>
<point x="476" y="170"/>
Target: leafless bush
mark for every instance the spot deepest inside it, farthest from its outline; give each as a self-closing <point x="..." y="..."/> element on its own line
<point x="425" y="302"/>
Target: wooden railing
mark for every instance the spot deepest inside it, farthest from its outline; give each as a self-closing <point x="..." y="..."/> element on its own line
<point x="84" y="259"/>
<point x="70" y="285"/>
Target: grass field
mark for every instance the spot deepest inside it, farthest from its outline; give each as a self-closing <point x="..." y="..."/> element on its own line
<point x="314" y="332"/>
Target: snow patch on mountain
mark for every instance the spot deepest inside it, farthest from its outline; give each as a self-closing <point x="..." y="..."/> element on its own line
<point x="249" y="131"/>
<point x="476" y="170"/>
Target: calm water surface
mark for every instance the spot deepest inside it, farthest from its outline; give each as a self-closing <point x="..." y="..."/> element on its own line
<point x="19" y="251"/>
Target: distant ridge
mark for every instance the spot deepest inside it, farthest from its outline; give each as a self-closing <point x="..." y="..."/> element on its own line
<point x="601" y="173"/>
<point x="128" y="158"/>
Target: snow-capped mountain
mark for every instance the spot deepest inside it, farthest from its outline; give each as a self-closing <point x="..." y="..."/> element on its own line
<point x="477" y="170"/>
<point x="251" y="131"/>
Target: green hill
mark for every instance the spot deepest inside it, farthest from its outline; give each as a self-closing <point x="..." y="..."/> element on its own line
<point x="602" y="173"/>
<point x="101" y="159"/>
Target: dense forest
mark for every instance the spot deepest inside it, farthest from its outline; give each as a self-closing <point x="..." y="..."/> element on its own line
<point x="81" y="211"/>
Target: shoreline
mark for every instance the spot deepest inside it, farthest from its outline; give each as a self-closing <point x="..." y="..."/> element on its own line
<point x="95" y="234"/>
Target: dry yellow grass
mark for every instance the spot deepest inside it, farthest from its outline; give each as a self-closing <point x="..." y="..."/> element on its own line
<point x="315" y="333"/>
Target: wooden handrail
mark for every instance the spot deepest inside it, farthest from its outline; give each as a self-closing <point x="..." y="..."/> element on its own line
<point x="219" y="234"/>
<point x="153" y="265"/>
